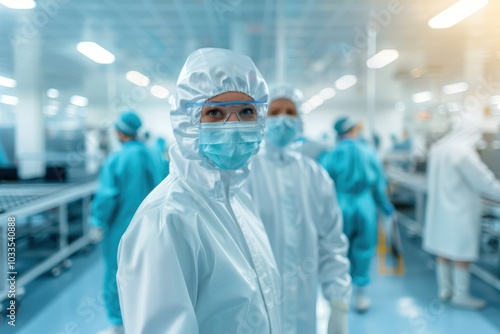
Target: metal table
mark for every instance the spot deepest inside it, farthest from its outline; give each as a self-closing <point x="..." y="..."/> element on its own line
<point x="27" y="199"/>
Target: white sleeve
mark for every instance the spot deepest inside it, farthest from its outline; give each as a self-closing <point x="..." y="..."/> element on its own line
<point x="157" y="276"/>
<point x="333" y="244"/>
<point x="478" y="175"/>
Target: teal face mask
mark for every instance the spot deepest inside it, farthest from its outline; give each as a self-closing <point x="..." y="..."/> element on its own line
<point x="282" y="130"/>
<point x="229" y="146"/>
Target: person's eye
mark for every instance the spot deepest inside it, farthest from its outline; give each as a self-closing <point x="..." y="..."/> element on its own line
<point x="247" y="112"/>
<point x="214" y="113"/>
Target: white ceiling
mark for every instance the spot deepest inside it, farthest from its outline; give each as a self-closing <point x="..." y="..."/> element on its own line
<point x="155" y="37"/>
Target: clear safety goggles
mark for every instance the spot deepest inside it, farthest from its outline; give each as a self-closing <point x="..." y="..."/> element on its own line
<point x="220" y="112"/>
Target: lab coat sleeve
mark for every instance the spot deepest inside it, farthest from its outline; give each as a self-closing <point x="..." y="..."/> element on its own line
<point x="333" y="244"/>
<point x="478" y="175"/>
<point x="105" y="202"/>
<point x="157" y="276"/>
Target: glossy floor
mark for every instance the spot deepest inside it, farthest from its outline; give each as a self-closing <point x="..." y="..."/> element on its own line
<point x="73" y="303"/>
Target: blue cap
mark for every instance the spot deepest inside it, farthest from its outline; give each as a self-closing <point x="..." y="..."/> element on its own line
<point x="343" y="125"/>
<point x="128" y="123"/>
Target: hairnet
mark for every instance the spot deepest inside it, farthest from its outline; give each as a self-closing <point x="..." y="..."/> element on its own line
<point x="209" y="72"/>
<point x="128" y="123"/>
<point x="287" y="92"/>
<point x="343" y="125"/>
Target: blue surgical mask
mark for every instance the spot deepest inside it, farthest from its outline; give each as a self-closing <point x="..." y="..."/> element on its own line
<point x="229" y="146"/>
<point x="282" y="130"/>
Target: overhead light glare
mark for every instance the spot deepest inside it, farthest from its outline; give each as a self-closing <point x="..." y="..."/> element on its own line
<point x="495" y="99"/>
<point x="7" y="82"/>
<point x="160" y="92"/>
<point x="95" y="52"/>
<point x="382" y="59"/>
<point x="422" y="97"/>
<point x="327" y="93"/>
<point x="456" y="13"/>
<point x="316" y="101"/>
<point x="9" y="99"/>
<point x="137" y="78"/>
<point x="455" y="88"/>
<point x="18" y="4"/>
<point x="53" y="93"/>
<point x="79" y="101"/>
<point x="345" y="82"/>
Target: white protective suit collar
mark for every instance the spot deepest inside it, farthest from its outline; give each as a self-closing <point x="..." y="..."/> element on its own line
<point x="277" y="154"/>
<point x="207" y="73"/>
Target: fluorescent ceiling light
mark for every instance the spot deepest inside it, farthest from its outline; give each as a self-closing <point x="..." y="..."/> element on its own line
<point x="9" y="99"/>
<point x="422" y="97"/>
<point x="95" y="52"/>
<point x="137" y="78"/>
<point x="316" y="101"/>
<point x="456" y="13"/>
<point x="7" y="82"/>
<point x="50" y="110"/>
<point x="383" y="58"/>
<point x="18" y="4"/>
<point x="79" y="101"/>
<point x="495" y="99"/>
<point x="160" y="92"/>
<point x="346" y="81"/>
<point x="327" y="93"/>
<point x="455" y="88"/>
<point x="53" y="93"/>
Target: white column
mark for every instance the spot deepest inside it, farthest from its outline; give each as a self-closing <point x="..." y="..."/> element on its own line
<point x="30" y="136"/>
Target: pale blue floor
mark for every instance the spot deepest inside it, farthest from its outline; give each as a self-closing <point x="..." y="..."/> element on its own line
<point x="72" y="303"/>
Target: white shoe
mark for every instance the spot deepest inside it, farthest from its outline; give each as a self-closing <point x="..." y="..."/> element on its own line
<point x="363" y="303"/>
<point x="113" y="330"/>
<point x="461" y="296"/>
<point x="444" y="280"/>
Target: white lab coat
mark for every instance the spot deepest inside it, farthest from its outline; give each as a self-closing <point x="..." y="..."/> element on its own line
<point x="195" y="258"/>
<point x="297" y="203"/>
<point x="456" y="179"/>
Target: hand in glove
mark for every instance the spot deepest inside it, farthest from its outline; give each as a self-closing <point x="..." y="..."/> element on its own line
<point x="338" y="323"/>
<point x="96" y="234"/>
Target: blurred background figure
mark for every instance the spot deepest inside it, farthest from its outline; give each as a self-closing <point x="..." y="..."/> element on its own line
<point x="158" y="147"/>
<point x="4" y="160"/>
<point x="360" y="183"/>
<point x="126" y="178"/>
<point x="457" y="178"/>
<point x="405" y="144"/>
<point x="297" y="203"/>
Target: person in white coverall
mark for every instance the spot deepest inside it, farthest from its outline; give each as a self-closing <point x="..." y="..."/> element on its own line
<point x="296" y="201"/>
<point x="456" y="179"/>
<point x="196" y="258"/>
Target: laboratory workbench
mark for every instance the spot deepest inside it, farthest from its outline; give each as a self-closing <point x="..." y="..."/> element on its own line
<point x="20" y="201"/>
